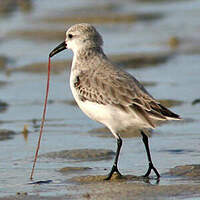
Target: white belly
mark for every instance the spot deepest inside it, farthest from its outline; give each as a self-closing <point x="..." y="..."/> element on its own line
<point x="93" y="110"/>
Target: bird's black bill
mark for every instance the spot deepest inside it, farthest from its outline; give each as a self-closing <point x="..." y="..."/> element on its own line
<point x="58" y="49"/>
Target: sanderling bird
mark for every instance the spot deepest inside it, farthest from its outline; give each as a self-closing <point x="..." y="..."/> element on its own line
<point x="107" y="94"/>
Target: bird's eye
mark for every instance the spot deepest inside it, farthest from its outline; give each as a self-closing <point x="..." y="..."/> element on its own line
<point x="70" y="36"/>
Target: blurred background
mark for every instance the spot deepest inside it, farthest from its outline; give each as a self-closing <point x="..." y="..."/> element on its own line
<point x="157" y="41"/>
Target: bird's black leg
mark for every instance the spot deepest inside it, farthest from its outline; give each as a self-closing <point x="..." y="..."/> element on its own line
<point x="151" y="167"/>
<point x="114" y="167"/>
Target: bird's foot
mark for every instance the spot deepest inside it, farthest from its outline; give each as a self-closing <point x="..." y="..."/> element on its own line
<point x="151" y="167"/>
<point x="114" y="169"/>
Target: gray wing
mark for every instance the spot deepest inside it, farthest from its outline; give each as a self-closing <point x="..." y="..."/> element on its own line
<point x="116" y="87"/>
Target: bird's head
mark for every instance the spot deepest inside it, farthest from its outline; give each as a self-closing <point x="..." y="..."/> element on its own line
<point x="78" y="37"/>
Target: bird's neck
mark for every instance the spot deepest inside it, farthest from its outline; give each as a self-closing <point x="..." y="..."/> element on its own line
<point x="83" y="57"/>
<point x="88" y="53"/>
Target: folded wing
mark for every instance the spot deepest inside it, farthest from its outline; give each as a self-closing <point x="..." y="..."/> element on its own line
<point x="122" y="90"/>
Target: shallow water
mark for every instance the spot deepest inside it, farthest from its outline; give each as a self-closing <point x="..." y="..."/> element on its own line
<point x="67" y="127"/>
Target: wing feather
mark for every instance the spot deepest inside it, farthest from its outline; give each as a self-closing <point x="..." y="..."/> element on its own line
<point x="116" y="87"/>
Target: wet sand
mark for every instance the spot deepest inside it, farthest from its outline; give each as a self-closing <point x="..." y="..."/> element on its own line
<point x="149" y="40"/>
<point x="128" y="187"/>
